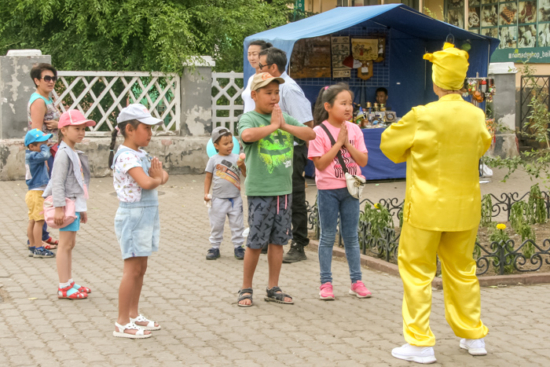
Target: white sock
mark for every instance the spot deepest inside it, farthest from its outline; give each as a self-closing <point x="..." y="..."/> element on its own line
<point x="217" y="246"/>
<point x="64" y="285"/>
<point x="71" y="280"/>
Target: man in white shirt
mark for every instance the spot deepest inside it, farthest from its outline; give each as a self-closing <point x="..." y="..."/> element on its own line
<point x="293" y="102"/>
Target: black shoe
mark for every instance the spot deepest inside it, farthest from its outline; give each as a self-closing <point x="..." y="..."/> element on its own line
<point x="213" y="254"/>
<point x="239" y="253"/>
<point x="295" y="254"/>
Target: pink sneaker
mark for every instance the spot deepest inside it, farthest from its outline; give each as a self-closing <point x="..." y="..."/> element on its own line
<point x="358" y="289"/>
<point x="326" y="292"/>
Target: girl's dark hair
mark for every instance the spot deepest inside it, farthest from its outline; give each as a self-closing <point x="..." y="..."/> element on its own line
<point x="36" y="71"/>
<point x="263" y="44"/>
<point x="327" y="94"/>
<point x="121" y="127"/>
<point x="59" y="136"/>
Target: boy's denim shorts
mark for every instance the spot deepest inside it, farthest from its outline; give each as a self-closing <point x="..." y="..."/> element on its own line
<point x="137" y="230"/>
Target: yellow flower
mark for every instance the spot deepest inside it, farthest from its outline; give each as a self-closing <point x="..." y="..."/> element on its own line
<point x="501" y="226"/>
<point x="377" y="206"/>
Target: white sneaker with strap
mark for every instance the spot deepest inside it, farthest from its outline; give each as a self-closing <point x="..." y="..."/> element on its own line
<point x="413" y="353"/>
<point x="475" y="347"/>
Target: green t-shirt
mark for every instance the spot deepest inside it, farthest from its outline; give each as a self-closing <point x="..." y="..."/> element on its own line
<point x="268" y="160"/>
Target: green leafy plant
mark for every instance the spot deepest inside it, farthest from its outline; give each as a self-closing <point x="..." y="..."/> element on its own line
<point x="501" y="240"/>
<point x="486" y="210"/>
<point x="537" y="206"/>
<point x="519" y="220"/>
<point x="379" y="219"/>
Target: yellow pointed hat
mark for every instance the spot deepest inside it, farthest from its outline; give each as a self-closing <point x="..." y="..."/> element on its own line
<point x="449" y="67"/>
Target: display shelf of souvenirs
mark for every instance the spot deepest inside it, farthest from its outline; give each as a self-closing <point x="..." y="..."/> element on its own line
<point x="373" y="116"/>
<point x="481" y="89"/>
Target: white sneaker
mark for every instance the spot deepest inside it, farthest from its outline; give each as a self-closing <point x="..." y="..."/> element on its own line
<point x="476" y="347"/>
<point x="413" y="353"/>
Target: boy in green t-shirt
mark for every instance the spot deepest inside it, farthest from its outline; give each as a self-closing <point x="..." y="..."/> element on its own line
<point x="268" y="137"/>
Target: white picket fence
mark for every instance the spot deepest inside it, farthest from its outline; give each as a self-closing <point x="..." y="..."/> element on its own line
<point x="100" y="95"/>
<point x="224" y="87"/>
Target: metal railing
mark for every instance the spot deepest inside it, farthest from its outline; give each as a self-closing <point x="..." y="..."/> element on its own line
<point x="503" y="256"/>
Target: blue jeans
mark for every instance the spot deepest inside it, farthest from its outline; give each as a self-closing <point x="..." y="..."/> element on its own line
<point x="331" y="203"/>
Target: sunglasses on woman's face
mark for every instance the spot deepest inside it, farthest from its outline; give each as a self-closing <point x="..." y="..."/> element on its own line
<point x="48" y="78"/>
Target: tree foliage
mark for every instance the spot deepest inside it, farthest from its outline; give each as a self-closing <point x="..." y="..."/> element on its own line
<point x="143" y="35"/>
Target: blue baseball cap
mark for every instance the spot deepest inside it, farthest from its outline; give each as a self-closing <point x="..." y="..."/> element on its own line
<point x="36" y="136"/>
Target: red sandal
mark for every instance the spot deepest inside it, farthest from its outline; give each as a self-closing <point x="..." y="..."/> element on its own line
<point x="48" y="247"/>
<point x="81" y="288"/>
<point x="51" y="243"/>
<point x="70" y="293"/>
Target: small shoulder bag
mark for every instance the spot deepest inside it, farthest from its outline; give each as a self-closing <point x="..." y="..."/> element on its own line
<point x="354" y="183"/>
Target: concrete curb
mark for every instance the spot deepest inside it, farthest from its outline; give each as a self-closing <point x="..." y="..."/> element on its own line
<point x="484" y="281"/>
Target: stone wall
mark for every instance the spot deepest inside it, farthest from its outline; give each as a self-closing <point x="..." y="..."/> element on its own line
<point x="181" y="154"/>
<point x="16" y="87"/>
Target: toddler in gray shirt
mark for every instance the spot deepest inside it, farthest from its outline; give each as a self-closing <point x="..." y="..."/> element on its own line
<point x="223" y="175"/>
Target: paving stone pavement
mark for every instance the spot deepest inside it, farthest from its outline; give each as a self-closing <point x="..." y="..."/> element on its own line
<point x="195" y="302"/>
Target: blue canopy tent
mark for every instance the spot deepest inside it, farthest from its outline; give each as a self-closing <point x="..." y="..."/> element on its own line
<point x="409" y="35"/>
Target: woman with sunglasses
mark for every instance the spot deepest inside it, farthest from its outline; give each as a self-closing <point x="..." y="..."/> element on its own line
<point x="43" y="115"/>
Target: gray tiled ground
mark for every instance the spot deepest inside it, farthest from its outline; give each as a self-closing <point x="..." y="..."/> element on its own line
<point x="195" y="301"/>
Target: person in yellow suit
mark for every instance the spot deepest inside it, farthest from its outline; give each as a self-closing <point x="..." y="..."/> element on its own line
<point x="442" y="143"/>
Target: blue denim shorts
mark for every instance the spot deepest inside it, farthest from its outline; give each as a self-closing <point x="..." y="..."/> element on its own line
<point x="74" y="226"/>
<point x="137" y="230"/>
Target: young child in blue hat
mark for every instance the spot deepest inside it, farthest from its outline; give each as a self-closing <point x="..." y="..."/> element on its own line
<point x="37" y="179"/>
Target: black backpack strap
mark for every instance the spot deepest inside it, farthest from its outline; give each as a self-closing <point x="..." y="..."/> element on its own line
<point x="339" y="154"/>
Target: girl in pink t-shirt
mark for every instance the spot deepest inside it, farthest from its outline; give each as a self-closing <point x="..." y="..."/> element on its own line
<point x="333" y="109"/>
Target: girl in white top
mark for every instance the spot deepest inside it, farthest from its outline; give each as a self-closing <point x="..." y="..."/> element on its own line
<point x="254" y="50"/>
<point x="136" y="177"/>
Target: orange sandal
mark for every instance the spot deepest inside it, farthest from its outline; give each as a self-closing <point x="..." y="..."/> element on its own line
<point x="70" y="293"/>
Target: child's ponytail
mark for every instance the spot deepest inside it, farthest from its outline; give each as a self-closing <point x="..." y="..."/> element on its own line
<point x="121" y="127"/>
<point x="327" y="94"/>
<point x="114" y="134"/>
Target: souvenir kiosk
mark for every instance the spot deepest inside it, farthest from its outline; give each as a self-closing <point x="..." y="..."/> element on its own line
<point x="370" y="47"/>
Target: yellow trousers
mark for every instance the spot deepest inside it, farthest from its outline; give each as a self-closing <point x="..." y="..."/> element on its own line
<point x="417" y="267"/>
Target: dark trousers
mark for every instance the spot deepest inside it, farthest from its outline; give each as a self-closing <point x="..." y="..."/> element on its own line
<point x="299" y="208"/>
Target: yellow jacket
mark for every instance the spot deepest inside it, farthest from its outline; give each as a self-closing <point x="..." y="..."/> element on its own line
<point x="442" y="143"/>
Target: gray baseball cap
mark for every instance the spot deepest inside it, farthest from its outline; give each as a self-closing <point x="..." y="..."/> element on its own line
<point x="218" y="132"/>
<point x="137" y="111"/>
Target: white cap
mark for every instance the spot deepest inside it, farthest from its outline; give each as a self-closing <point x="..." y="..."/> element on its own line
<point x="137" y="111"/>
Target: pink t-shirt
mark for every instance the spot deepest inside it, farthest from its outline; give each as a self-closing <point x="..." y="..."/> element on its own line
<point x="333" y="177"/>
